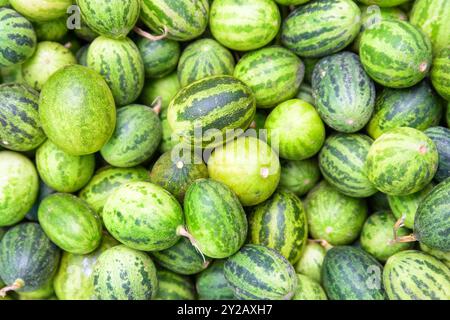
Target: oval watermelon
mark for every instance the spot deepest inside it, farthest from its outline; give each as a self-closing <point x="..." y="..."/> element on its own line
<point x="211" y="284"/>
<point x="299" y="176"/>
<point x="311" y="261"/>
<point x="172" y="286"/>
<point x="160" y="57"/>
<point x="441" y="138"/>
<point x="440" y="73"/>
<point x="41" y="10"/>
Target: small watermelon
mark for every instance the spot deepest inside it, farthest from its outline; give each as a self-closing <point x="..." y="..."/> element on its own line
<point x="172" y="286"/>
<point x="310" y="263"/>
<point x="308" y="289"/>
<point x="299" y="176"/>
<point x="160" y="57"/>
<point x="211" y="284"/>
<point x="441" y="138"/>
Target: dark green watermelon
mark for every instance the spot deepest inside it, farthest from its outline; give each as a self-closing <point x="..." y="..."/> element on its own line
<point x="441" y="137"/>
<point x="160" y="57"/>
<point x="212" y="285"/>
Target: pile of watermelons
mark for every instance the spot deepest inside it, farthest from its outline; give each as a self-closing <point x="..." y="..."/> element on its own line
<point x="224" y="149"/>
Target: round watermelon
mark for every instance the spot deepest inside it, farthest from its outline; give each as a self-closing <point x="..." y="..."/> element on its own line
<point x="299" y="176"/>
<point x="160" y="57"/>
<point x="41" y="10"/>
<point x="440" y="73"/>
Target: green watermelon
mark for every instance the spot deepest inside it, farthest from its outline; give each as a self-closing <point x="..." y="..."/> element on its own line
<point x="182" y="20"/>
<point x="143" y="216"/>
<point x="61" y="171"/>
<point x="204" y="111"/>
<point x="21" y="128"/>
<point x="165" y="88"/>
<point x="160" y="57"/>
<point x="444" y="256"/>
<point x="44" y="192"/>
<point x="244" y="25"/>
<point x="402" y="161"/>
<point x="295" y="130"/>
<point x="166" y="139"/>
<point x="176" y="173"/>
<point x="260" y="273"/>
<point x="86" y="110"/>
<point x="48" y="58"/>
<point x="280" y="223"/>
<point x="343" y="92"/>
<point x="120" y="63"/>
<point x="204" y="58"/>
<point x="305" y="93"/>
<point x="70" y="223"/>
<point x="136" y="137"/>
<point x="413" y="275"/>
<point x="28" y="259"/>
<point x="333" y="216"/>
<point x="383" y="3"/>
<point x="351" y="274"/>
<point x="106" y="180"/>
<point x="215" y="220"/>
<point x="18" y="187"/>
<point x="385" y="59"/>
<point x="172" y="286"/>
<point x="441" y="138"/>
<point x="417" y="107"/>
<point x="431" y="16"/>
<point x="73" y="279"/>
<point x="85" y="33"/>
<point x="212" y="285"/>
<point x="440" y="73"/>
<point x="121" y="273"/>
<point x="310" y="263"/>
<point x="274" y="74"/>
<point x="113" y="19"/>
<point x="41" y="10"/>
<point x="17" y="39"/>
<point x="320" y="28"/>
<point x="249" y="167"/>
<point x="308" y="289"/>
<point x="342" y="163"/>
<point x="299" y="176"/>
<point x="53" y="30"/>
<point x="42" y="293"/>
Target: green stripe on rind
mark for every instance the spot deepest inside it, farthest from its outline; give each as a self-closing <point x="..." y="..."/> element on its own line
<point x="344" y="94"/>
<point x="320" y="28"/>
<point x="172" y="286"/>
<point x="120" y="63"/>
<point x="160" y="57"/>
<point x="440" y="74"/>
<point x="217" y="235"/>
<point x="342" y="163"/>
<point x="260" y="273"/>
<point x="402" y="161"/>
<point x="184" y="19"/>
<point x="212" y="285"/>
<point x="395" y="53"/>
<point x="280" y="223"/>
<point x="444" y="256"/>
<point x="204" y="58"/>
<point x="441" y="138"/>
<point x="308" y="289"/>
<point x="352" y="274"/>
<point x="417" y="107"/>
<point x="413" y="275"/>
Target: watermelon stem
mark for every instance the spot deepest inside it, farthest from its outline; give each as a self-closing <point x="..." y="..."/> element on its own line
<point x="182" y="231"/>
<point x="324" y="243"/>
<point x="157" y="105"/>
<point x="15" y="286"/>
<point x="68" y="45"/>
<point x="149" y="36"/>
<point x="401" y="223"/>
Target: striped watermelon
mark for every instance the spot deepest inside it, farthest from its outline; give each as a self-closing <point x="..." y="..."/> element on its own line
<point x="70" y="223"/>
<point x="214" y="218"/>
<point x="431" y="16"/>
<point x="417" y="107"/>
<point x="41" y="10"/>
<point x="17" y="39"/>
<point x="43" y="293"/>
<point x="121" y="273"/>
<point x="441" y="138"/>
<point x="351" y="274"/>
<point x="310" y="263"/>
<point x="244" y="25"/>
<point x="333" y="216"/>
<point x="143" y="216"/>
<point x="48" y="58"/>
<point x="165" y="88"/>
<point x="259" y="273"/>
<point x="28" y="259"/>
<point x="61" y="171"/>
<point x="172" y="286"/>
<point x="308" y="289"/>
<point x="295" y="130"/>
<point x="249" y="167"/>
<point x="113" y="19"/>
<point x="322" y="27"/>
<point x="21" y="128"/>
<point x="183" y="19"/>
<point x="182" y="258"/>
<point x="305" y="93"/>
<point x="444" y="256"/>
<point x="160" y="57"/>
<point x="120" y="63"/>
<point x="299" y="176"/>
<point x="402" y="161"/>
<point x="280" y="223"/>
<point x="204" y="111"/>
<point x="413" y="275"/>
<point x="385" y="59"/>
<point x="177" y="173"/>
<point x="18" y="187"/>
<point x="343" y="92"/>
<point x="212" y="285"/>
<point x="136" y="137"/>
<point x="105" y="181"/>
<point x="440" y="73"/>
<point x="342" y="162"/>
<point x="54" y="30"/>
<point x="92" y="115"/>
<point x="383" y="3"/>
<point x="204" y="58"/>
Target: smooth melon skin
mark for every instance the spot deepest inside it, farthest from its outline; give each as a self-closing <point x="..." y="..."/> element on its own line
<point x="414" y="275"/>
<point x="41" y="10"/>
<point x="66" y="99"/>
<point x="172" y="286"/>
<point x="310" y="263"/>
<point x="299" y="176"/>
<point x="211" y="284"/>
<point x="308" y="289"/>
<point x="121" y="273"/>
<point x="18" y="187"/>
